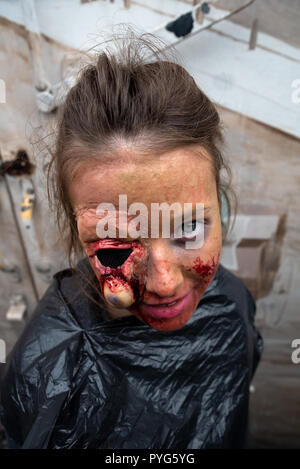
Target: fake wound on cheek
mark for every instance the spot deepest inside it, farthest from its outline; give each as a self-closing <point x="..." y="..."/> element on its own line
<point x="205" y="270"/>
<point x="121" y="269"/>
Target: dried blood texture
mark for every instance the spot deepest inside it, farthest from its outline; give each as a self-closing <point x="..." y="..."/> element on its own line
<point x="121" y="286"/>
<point x="206" y="270"/>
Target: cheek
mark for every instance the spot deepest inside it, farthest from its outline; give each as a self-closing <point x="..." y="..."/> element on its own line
<point x="205" y="270"/>
<point x="83" y="229"/>
<point x="204" y="264"/>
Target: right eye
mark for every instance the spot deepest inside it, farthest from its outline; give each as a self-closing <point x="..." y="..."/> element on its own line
<point x="113" y="258"/>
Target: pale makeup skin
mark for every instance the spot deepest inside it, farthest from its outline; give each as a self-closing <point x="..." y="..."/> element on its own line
<point x="180" y="175"/>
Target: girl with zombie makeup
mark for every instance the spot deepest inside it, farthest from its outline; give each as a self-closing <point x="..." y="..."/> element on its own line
<point x="143" y="343"/>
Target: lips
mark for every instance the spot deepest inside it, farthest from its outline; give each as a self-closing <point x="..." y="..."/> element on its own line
<point x="166" y="311"/>
<point x="163" y="302"/>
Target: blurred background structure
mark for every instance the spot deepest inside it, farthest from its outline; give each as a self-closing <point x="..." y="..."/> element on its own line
<point x="245" y="55"/>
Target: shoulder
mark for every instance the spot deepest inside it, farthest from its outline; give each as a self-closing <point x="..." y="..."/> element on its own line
<point x="57" y="310"/>
<point x="229" y="287"/>
<point x="235" y="293"/>
<point x="51" y="315"/>
<point x="54" y="319"/>
<point x="227" y="295"/>
<point x="42" y="362"/>
<point x="41" y="367"/>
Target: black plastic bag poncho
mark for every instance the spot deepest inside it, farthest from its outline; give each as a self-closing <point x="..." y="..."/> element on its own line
<point x="78" y="380"/>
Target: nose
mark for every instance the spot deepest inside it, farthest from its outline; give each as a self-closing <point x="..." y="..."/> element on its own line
<point x="164" y="276"/>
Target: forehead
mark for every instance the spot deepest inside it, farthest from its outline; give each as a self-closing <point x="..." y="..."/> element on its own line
<point x="181" y="175"/>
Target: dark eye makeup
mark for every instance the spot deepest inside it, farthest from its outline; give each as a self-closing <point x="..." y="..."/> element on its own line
<point x="193" y="223"/>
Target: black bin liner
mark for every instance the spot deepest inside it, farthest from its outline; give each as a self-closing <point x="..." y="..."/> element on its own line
<point x="77" y="380"/>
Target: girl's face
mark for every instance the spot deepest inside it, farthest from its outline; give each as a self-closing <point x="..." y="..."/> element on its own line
<point x="163" y="280"/>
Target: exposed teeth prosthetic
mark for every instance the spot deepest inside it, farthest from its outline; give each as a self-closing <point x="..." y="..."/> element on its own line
<point x="121" y="270"/>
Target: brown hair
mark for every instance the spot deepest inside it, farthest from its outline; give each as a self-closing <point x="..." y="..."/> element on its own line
<point x="139" y="94"/>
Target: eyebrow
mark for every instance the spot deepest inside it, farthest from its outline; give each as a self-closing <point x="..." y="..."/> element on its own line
<point x="207" y="210"/>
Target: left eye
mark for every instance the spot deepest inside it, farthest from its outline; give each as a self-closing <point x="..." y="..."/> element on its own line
<point x="189" y="230"/>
